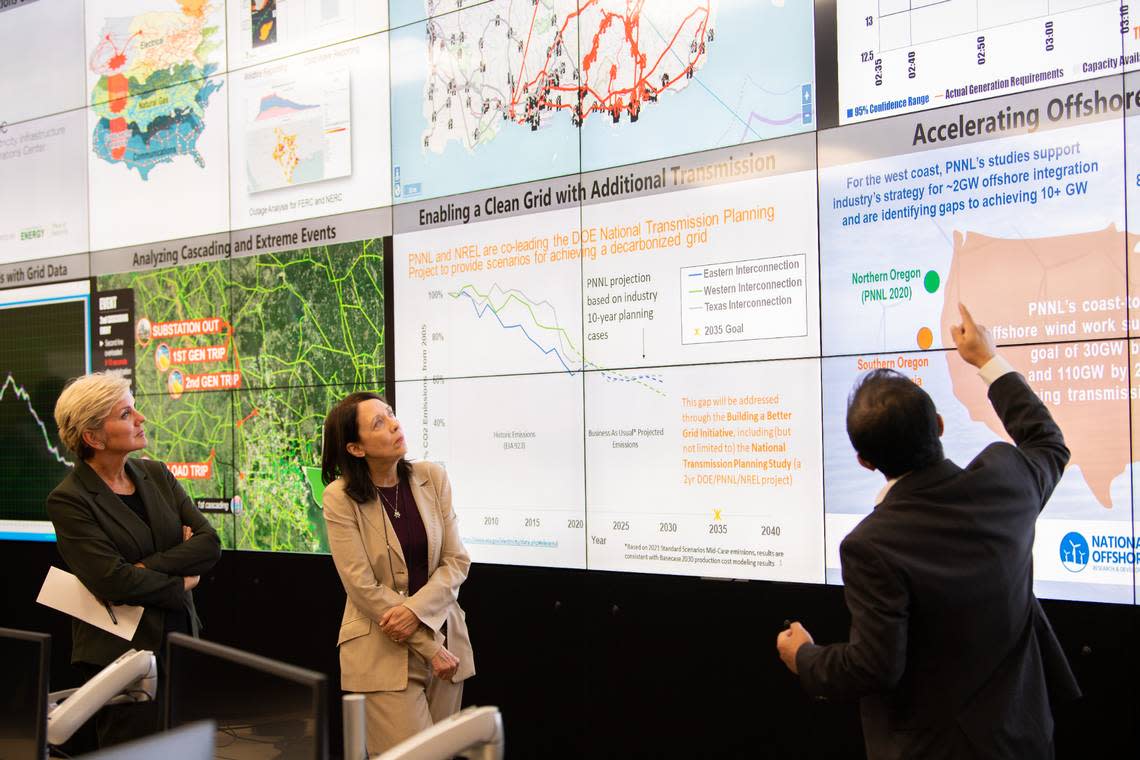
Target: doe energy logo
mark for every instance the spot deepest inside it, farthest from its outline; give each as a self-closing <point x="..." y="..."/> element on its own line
<point x="1074" y="552"/>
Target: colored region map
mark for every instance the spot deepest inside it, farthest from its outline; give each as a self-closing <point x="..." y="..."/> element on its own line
<point x="1055" y="289"/>
<point x="153" y="83"/>
<point x="242" y="361"/>
<point x="263" y="22"/>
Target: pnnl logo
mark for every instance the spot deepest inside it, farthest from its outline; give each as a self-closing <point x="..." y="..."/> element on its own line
<point x="1074" y="552"/>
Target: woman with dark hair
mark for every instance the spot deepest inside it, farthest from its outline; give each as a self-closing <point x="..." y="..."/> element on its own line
<point x="395" y="542"/>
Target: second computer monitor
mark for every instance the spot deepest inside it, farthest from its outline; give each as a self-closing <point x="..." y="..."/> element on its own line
<point x="262" y="707"/>
<point x="26" y="658"/>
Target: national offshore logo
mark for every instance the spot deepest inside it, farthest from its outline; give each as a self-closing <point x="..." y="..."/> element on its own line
<point x="1074" y="552"/>
<point x="1105" y="551"/>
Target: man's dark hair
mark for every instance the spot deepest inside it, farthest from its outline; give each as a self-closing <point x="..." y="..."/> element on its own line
<point x="341" y="430"/>
<point x="892" y="423"/>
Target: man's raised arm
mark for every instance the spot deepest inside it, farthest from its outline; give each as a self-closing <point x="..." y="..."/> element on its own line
<point x="1023" y="414"/>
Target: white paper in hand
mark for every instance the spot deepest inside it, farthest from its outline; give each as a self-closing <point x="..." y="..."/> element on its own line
<point x="64" y="592"/>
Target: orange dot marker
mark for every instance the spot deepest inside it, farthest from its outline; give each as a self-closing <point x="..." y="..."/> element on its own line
<point x="925" y="338"/>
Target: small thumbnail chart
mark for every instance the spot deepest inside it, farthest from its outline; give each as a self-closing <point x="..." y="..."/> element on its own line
<point x="300" y="132"/>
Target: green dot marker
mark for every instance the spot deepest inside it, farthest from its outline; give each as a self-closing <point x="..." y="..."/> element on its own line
<point x="931" y="281"/>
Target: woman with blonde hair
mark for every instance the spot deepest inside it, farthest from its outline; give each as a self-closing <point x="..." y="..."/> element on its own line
<point x="128" y="531"/>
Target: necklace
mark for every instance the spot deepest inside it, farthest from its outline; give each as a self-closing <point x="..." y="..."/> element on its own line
<point x="395" y="508"/>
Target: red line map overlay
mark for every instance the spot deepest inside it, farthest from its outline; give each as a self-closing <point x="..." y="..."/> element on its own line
<point x="609" y="94"/>
<point x="625" y="61"/>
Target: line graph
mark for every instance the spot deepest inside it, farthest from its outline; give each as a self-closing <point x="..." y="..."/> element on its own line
<point x="897" y="56"/>
<point x="537" y="321"/>
<point x="22" y="394"/>
<point x="564" y="351"/>
<point x="905" y="23"/>
<point x="44" y="341"/>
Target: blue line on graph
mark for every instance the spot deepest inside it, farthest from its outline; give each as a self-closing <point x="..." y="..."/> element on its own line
<point x="609" y="375"/>
<point x="487" y="307"/>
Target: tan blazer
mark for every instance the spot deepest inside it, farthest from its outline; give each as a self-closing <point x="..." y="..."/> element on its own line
<point x="369" y="660"/>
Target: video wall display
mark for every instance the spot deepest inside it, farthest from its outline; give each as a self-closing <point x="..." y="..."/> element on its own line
<point x="45" y="339"/>
<point x="897" y="56"/>
<point x="626" y="265"/>
<point x="235" y="362"/>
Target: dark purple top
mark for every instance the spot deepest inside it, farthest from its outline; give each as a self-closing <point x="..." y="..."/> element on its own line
<point x="410" y="532"/>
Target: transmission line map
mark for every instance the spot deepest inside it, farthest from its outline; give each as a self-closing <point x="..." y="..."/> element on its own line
<point x="624" y="73"/>
<point x="528" y="69"/>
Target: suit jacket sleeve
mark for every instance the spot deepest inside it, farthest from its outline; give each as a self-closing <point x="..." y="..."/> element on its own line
<point x="201" y="551"/>
<point x="96" y="561"/>
<point x="875" y="656"/>
<point x="1036" y="435"/>
<point x="355" y="570"/>
<point x="432" y="602"/>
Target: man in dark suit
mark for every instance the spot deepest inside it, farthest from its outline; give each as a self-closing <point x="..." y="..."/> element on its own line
<point x="950" y="653"/>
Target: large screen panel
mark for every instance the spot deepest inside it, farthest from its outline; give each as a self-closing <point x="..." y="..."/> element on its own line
<point x="313" y="316"/>
<point x="484" y="288"/>
<point x="45" y="340"/>
<point x="1085" y="387"/>
<point x="157" y="121"/>
<point x="309" y="329"/>
<point x="513" y="451"/>
<point x="676" y="76"/>
<point x="484" y="97"/>
<point x="709" y="470"/>
<point x="897" y="56"/>
<point x="920" y="210"/>
<point x="45" y="40"/>
<point x="43" y="163"/>
<point x="309" y="135"/>
<point x="705" y="258"/>
<point x="261" y="30"/>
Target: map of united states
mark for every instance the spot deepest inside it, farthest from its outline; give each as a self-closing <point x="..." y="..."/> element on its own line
<point x="1058" y="289"/>
<point x="153" y="85"/>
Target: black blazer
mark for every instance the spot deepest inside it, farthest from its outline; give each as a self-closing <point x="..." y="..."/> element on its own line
<point x="100" y="538"/>
<point x="950" y="652"/>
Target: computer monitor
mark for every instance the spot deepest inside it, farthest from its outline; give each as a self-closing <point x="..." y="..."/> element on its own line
<point x="194" y="741"/>
<point x="263" y="708"/>
<point x="25" y="660"/>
